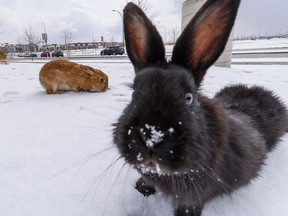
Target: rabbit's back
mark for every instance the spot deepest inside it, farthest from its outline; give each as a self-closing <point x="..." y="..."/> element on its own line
<point x="269" y="115"/>
<point x="60" y="66"/>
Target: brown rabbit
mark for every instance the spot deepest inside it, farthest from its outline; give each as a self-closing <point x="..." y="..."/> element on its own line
<point x="58" y="76"/>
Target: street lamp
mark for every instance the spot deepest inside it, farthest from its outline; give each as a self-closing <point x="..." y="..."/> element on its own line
<point x="44" y="35"/>
<point x="122" y="25"/>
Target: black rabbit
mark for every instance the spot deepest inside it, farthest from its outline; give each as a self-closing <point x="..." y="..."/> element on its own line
<point x="184" y="144"/>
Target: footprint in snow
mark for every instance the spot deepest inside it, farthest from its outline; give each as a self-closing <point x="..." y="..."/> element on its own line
<point x="9" y="97"/>
<point x="119" y="95"/>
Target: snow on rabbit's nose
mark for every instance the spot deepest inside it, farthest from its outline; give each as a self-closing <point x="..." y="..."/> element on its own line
<point x="151" y="135"/>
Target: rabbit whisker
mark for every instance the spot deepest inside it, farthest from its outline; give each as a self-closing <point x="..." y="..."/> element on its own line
<point x="214" y="177"/>
<point x="78" y="163"/>
<point x="99" y="177"/>
<point x="113" y="185"/>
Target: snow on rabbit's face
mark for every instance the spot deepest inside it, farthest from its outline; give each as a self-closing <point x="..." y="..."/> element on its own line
<point x="154" y="133"/>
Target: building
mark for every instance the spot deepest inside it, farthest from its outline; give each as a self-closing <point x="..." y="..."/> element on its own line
<point x="189" y="9"/>
<point x="7" y="48"/>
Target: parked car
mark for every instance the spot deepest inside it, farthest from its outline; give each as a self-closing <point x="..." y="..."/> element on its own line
<point x="28" y="55"/>
<point x="57" y="53"/>
<point x="113" y="50"/>
<point x="45" y="54"/>
<point x="34" y="55"/>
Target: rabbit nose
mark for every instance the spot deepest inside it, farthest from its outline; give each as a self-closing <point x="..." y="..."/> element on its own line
<point x="144" y="135"/>
<point x="151" y="135"/>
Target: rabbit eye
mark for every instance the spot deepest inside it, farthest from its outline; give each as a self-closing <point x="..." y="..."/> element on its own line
<point x="189" y="98"/>
<point x="101" y="80"/>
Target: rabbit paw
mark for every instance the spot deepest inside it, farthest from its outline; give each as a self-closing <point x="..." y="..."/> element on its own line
<point x="144" y="188"/>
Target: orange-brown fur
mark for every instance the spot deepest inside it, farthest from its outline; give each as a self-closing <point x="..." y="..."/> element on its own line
<point x="62" y="75"/>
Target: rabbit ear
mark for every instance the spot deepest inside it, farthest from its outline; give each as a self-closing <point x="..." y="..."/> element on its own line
<point x="87" y="69"/>
<point x="205" y="37"/>
<point x="143" y="42"/>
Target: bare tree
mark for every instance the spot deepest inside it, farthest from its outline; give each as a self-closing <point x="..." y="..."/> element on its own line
<point x="68" y="37"/>
<point x="146" y="7"/>
<point x="30" y="38"/>
<point x="173" y="34"/>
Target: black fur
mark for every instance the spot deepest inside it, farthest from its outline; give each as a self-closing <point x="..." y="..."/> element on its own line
<point x="265" y="109"/>
<point x="195" y="151"/>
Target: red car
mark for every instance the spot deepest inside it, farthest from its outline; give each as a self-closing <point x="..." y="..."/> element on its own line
<point x="45" y="54"/>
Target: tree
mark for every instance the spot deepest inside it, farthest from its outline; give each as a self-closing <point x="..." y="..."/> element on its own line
<point x="68" y="37"/>
<point x="30" y="38"/>
<point x="146" y="7"/>
<point x="173" y="34"/>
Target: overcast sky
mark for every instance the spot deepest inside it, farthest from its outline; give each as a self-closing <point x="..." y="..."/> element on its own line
<point x="94" y="18"/>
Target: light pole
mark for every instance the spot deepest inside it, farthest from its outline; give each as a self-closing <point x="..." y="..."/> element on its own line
<point x="44" y="36"/>
<point x="123" y="43"/>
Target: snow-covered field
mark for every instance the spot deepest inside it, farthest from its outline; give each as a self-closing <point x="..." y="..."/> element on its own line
<point x="261" y="44"/>
<point x="57" y="156"/>
<point x="276" y="46"/>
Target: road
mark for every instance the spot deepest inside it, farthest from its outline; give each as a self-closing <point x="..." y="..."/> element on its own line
<point x="86" y="58"/>
<point x="236" y="55"/>
<point x="260" y="55"/>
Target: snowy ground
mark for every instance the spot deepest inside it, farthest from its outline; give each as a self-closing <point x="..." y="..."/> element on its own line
<point x="261" y="44"/>
<point x="53" y="160"/>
